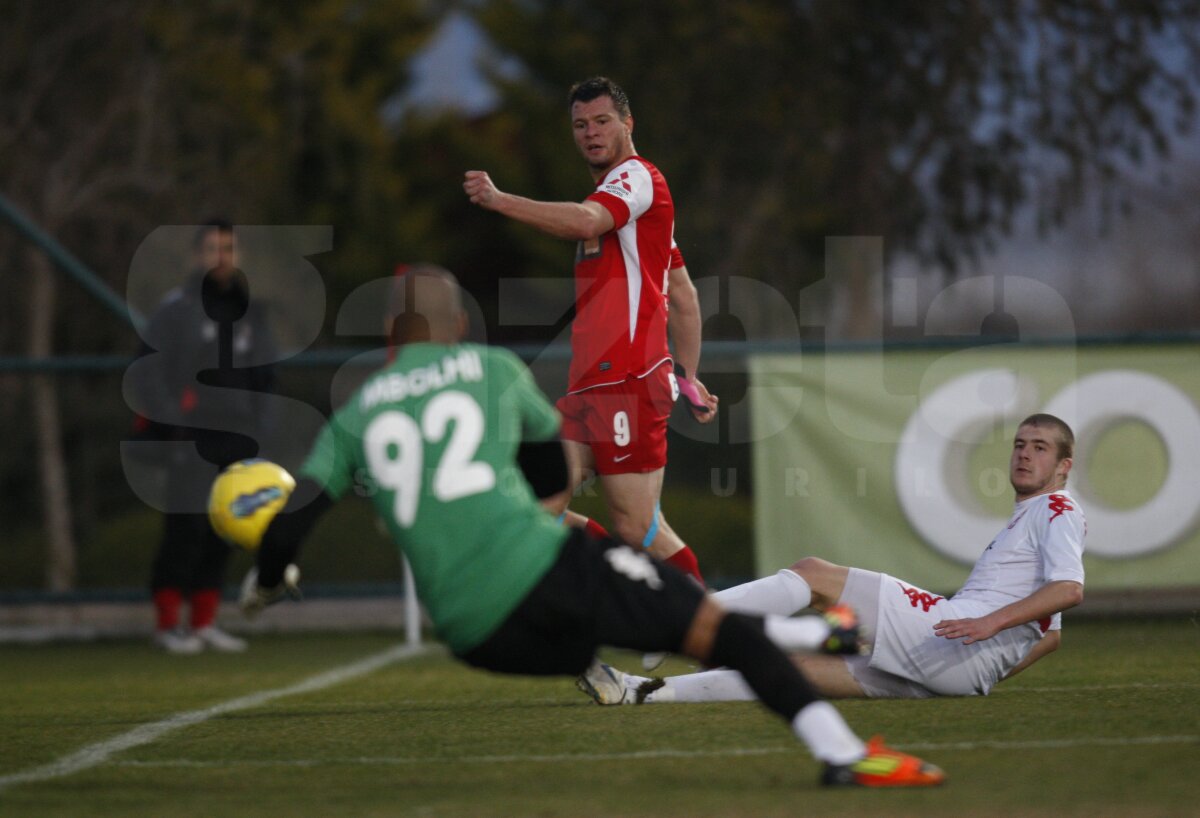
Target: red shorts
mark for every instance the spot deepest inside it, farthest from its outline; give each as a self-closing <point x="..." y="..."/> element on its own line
<point x="625" y="424"/>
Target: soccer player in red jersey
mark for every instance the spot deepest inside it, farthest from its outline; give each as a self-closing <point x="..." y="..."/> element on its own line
<point x="623" y="379"/>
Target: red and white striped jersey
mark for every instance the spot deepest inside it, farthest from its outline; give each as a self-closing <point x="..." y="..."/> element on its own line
<point x="620" y="326"/>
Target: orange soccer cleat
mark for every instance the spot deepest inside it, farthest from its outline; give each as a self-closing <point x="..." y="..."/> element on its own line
<point x="883" y="767"/>
<point x="845" y="632"/>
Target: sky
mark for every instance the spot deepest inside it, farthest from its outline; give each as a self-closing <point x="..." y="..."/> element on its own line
<point x="450" y="72"/>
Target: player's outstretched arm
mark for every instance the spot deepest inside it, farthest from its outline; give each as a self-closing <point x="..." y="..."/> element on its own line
<point x="1048" y="600"/>
<point x="576" y="221"/>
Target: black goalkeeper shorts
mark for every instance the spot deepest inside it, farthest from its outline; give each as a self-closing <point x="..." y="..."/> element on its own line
<point x="598" y="592"/>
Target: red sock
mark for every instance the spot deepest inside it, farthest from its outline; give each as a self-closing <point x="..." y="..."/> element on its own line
<point x="166" y="607"/>
<point x="685" y="560"/>
<point x="595" y="529"/>
<point x="204" y="607"/>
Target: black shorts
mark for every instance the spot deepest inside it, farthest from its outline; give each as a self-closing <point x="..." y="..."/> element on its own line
<point x="598" y="592"/>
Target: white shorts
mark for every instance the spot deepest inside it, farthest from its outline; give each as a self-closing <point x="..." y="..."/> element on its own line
<point x="907" y="659"/>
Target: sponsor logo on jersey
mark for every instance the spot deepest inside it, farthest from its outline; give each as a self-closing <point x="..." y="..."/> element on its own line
<point x="918" y="597"/>
<point x="634" y="566"/>
<point x="1059" y="504"/>
<point x="620" y="185"/>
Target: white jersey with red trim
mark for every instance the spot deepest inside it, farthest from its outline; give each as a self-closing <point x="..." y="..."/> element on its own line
<point x="620" y="326"/>
<point x="1043" y="542"/>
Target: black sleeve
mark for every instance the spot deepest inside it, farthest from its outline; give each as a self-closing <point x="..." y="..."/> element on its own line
<point x="545" y="466"/>
<point x="281" y="541"/>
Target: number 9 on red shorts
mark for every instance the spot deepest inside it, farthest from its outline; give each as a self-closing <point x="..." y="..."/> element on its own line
<point x="625" y="424"/>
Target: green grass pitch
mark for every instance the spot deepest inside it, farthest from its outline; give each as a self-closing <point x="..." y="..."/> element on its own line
<point x="1108" y="726"/>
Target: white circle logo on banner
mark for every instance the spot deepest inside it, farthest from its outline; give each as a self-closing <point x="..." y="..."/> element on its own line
<point x="1097" y="402"/>
<point x="931" y="458"/>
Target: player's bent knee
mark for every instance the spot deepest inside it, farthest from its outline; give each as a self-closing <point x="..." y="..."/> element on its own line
<point x="629" y="531"/>
<point x="825" y="579"/>
<point x="811" y="568"/>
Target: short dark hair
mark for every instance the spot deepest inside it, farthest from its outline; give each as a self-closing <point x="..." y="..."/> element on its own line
<point x="1066" y="438"/>
<point x="596" y="87"/>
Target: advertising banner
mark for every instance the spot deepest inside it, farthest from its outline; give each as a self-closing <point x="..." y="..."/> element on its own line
<point x="897" y="460"/>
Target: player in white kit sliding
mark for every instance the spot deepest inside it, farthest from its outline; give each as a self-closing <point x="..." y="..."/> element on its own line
<point x="1006" y="616"/>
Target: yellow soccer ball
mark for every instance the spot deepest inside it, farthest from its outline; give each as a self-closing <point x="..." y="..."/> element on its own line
<point x="244" y="499"/>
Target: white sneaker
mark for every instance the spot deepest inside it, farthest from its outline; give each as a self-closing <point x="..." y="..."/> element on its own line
<point x="607" y="685"/>
<point x="219" y="640"/>
<point x="178" y="642"/>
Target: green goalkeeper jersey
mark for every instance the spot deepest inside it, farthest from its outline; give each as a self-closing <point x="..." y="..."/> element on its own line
<point x="432" y="440"/>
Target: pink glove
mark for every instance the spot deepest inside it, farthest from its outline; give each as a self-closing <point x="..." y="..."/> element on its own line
<point x="688" y="390"/>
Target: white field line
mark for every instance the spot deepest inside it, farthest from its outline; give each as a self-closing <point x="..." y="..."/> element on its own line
<point x="392" y="761"/>
<point x="99" y="753"/>
<point x="96" y="754"/>
<point x="1122" y="686"/>
<point x="575" y="698"/>
<point x="1052" y="743"/>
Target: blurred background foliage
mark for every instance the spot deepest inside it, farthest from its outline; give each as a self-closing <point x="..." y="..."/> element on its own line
<point x="938" y="126"/>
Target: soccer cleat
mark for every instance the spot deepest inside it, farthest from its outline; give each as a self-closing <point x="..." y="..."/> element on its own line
<point x="178" y="642"/>
<point x="883" y="767"/>
<point x="219" y="640"/>
<point x="607" y="685"/>
<point x="845" y="635"/>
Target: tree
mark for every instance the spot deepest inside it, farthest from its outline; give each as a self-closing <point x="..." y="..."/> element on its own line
<point x="125" y="116"/>
<point x="45" y="56"/>
<point x="929" y="124"/>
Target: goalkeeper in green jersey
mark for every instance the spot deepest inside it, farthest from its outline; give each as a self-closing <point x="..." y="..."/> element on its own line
<point x="458" y="449"/>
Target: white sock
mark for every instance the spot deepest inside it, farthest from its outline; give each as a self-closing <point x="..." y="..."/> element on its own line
<point x="797" y="633"/>
<point x="706" y="686"/>
<point x="819" y="725"/>
<point x="784" y="594"/>
<point x="823" y="730"/>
